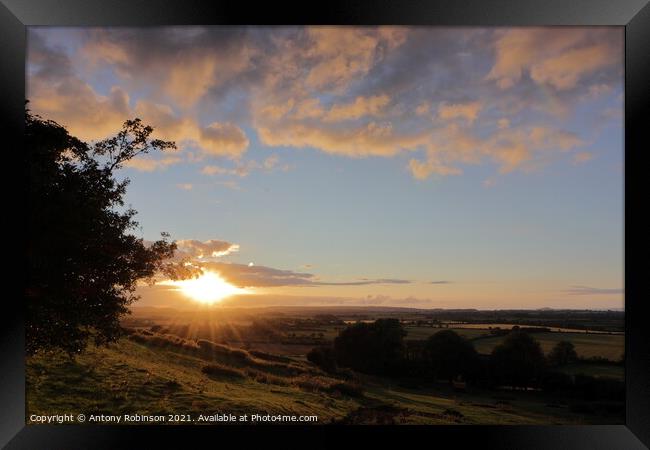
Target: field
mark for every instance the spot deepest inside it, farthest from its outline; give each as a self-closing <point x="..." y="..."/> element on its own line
<point x="132" y="377"/>
<point x="596" y="370"/>
<point x="587" y="345"/>
<point x="415" y="332"/>
<point x="245" y="362"/>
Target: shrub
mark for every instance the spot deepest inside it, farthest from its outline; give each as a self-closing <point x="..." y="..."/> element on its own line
<point x="266" y="378"/>
<point x="220" y="370"/>
<point x="518" y="361"/>
<point x="312" y="384"/>
<point x="348" y="388"/>
<point x="453" y="413"/>
<point x="209" y="349"/>
<point x="562" y="354"/>
<point x="557" y="382"/>
<point x="323" y="357"/>
<point x="599" y="388"/>
<point x="451" y="355"/>
<point x="376" y="347"/>
<point x="269" y="357"/>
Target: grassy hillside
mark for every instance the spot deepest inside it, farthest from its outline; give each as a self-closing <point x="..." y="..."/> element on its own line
<point x="155" y="374"/>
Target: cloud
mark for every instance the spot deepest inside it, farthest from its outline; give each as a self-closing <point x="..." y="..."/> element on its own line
<point x="510" y="148"/>
<point x="445" y="98"/>
<point x="214" y="170"/>
<point x="244" y="168"/>
<point x="559" y="58"/>
<point x="148" y="164"/>
<point x="58" y="94"/>
<point x="339" y="55"/>
<point x="422" y="169"/>
<point x="582" y="157"/>
<point x="185" y="186"/>
<point x="489" y="182"/>
<point x="270" y="162"/>
<point x="587" y="290"/>
<point x="216" y="139"/>
<point x="245" y="275"/>
<point x="230" y="184"/>
<point x="223" y="138"/>
<point x="440" y="282"/>
<point x="370" y="139"/>
<point x="467" y="111"/>
<point x="360" y="107"/>
<point x="213" y="248"/>
<point x="182" y="64"/>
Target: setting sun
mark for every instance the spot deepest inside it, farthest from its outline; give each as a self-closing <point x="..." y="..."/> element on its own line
<point x="207" y="288"/>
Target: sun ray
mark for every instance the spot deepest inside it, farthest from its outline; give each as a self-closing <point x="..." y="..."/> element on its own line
<point x="208" y="288"/>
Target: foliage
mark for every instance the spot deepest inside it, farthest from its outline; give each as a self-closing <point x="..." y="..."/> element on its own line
<point x="323" y="357"/>
<point x="562" y="354"/>
<point x="451" y="355"/>
<point x="221" y="370"/>
<point x="132" y="378"/>
<point x="371" y="347"/>
<point x="518" y="361"/>
<point x="83" y="261"/>
<point x="349" y="388"/>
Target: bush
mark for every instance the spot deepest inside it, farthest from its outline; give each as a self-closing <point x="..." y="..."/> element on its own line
<point x="269" y="357"/>
<point x="518" y="361"/>
<point x="557" y="382"/>
<point x="591" y="388"/>
<point x="562" y="354"/>
<point x="376" y="347"/>
<point x="266" y="378"/>
<point x="313" y="384"/>
<point x="212" y="350"/>
<point x="348" y="388"/>
<point x="220" y="370"/>
<point x="451" y="355"/>
<point x="453" y="414"/>
<point x="162" y="340"/>
<point x="323" y="357"/>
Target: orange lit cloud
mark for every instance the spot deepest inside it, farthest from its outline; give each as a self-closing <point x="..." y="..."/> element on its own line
<point x="145" y="164"/>
<point x="361" y="107"/>
<point x="552" y="56"/>
<point x="510" y="148"/>
<point x="371" y="139"/>
<point x="245" y="275"/>
<point x="244" y="168"/>
<point x="212" y="248"/>
<point x="468" y="111"/>
<point x="582" y="157"/>
<point x="446" y="98"/>
<point x="342" y="54"/>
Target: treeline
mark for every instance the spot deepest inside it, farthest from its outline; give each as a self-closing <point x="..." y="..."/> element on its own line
<point x="379" y="348"/>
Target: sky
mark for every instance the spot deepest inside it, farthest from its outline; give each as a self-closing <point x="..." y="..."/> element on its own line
<point x="424" y="167"/>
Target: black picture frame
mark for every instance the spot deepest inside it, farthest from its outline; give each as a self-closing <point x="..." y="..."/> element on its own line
<point x="634" y="15"/>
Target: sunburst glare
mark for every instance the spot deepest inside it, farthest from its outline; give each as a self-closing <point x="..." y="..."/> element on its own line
<point x="208" y="288"/>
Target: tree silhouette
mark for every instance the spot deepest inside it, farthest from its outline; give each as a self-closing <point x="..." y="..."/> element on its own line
<point x="563" y="353"/>
<point x="371" y="347"/>
<point x="83" y="263"/>
<point x="451" y="355"/>
<point x="519" y="360"/>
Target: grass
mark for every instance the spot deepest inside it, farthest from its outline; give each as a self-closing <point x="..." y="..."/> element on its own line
<point x="595" y="370"/>
<point x="586" y="345"/>
<point x="148" y="376"/>
<point x="132" y="378"/>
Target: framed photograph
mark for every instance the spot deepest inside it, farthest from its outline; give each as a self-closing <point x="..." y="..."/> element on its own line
<point x="376" y="219"/>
